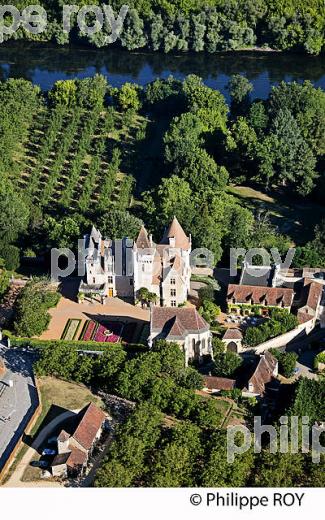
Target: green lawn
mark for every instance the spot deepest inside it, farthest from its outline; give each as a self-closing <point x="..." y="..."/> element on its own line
<point x="293" y="217"/>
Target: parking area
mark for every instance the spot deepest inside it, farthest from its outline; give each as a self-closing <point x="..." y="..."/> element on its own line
<point x="17" y="402"/>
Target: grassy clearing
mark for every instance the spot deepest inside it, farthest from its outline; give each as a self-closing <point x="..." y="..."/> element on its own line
<point x="293" y="217"/>
<point x="63" y="394"/>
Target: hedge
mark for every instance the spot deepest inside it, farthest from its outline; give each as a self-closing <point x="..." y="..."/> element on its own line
<point x="79" y="345"/>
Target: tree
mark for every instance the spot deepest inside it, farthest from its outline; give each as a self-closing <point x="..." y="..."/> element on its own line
<point x="218" y="346"/>
<point x="31" y="311"/>
<point x="64" y="92"/>
<point x="119" y="224"/>
<point x="209" y="311"/>
<point x="14" y="212"/>
<point x="284" y="470"/>
<point x="11" y="257"/>
<point x="286" y="156"/>
<point x="184" y="135"/>
<point x="128" y="97"/>
<point x="239" y="88"/>
<point x="287" y="361"/>
<point x="63" y="232"/>
<point x="107" y="366"/>
<point x="132" y="36"/>
<point x="307" y="105"/>
<point x="226" y="364"/>
<point x="202" y="173"/>
<point x="209" y="105"/>
<point x="57" y="360"/>
<point x="217" y="471"/>
<point x="4" y="279"/>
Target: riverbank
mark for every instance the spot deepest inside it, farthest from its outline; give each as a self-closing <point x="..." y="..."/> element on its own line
<point x="44" y="64"/>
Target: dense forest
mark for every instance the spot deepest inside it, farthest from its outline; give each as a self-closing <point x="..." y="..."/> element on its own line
<point x="88" y="153"/>
<point x="198" y="25"/>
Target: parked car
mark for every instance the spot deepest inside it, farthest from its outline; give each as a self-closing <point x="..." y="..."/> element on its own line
<point x="47" y="451"/>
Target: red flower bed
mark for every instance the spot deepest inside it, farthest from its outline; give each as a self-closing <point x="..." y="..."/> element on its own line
<point x="100" y="334"/>
<point x="110" y="333"/>
<point x="87" y="335"/>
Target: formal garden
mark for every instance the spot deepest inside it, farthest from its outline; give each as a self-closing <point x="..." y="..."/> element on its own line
<point x="91" y="330"/>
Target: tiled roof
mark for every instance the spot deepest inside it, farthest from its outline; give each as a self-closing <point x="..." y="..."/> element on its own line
<point x="76" y="458"/>
<point x="263" y="373"/>
<point x="176" y="329"/>
<point x="2" y="367"/>
<point x="90" y="419"/>
<point x="312" y="293"/>
<point x="143" y="241"/>
<point x="182" y="320"/>
<point x="176" y="231"/>
<point x="232" y="334"/>
<point x="63" y="436"/>
<point x="219" y="383"/>
<point x="260" y="295"/>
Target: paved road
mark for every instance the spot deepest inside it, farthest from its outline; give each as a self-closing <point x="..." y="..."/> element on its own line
<point x="15" y="479"/>
<point x="17" y="404"/>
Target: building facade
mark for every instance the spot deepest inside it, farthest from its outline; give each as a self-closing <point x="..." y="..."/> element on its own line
<point x="123" y="267"/>
<point x="184" y="326"/>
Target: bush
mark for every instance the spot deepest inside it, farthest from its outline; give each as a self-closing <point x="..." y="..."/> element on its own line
<point x="320" y="358"/>
<point x="11" y="257"/>
<point x="226" y="364"/>
<point x="32" y="305"/>
<point x="287" y="361"/>
<point x="280" y="322"/>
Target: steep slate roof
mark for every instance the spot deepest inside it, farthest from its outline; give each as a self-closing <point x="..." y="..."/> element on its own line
<point x="219" y="383"/>
<point x="263" y="373"/>
<point x="143" y="242"/>
<point x="272" y="295"/>
<point x="60" y="458"/>
<point x="232" y="334"/>
<point x="252" y="275"/>
<point x="90" y="420"/>
<point x="177" y="322"/>
<point x="176" y="231"/>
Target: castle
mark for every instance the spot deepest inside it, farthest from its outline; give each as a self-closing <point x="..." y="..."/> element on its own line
<point x="122" y="267"/>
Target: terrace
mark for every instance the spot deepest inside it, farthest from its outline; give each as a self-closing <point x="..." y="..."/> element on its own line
<point x="113" y="321"/>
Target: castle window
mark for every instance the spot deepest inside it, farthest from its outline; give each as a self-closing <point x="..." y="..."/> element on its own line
<point x="173" y="303"/>
<point x="110" y="279"/>
<point x="173" y="292"/>
<point x="131" y="281"/>
<point x="172" y="281"/>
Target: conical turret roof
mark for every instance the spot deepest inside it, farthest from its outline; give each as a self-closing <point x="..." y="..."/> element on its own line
<point x="176" y="231"/>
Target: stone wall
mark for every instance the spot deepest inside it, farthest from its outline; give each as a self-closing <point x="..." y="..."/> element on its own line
<point x="281" y="341"/>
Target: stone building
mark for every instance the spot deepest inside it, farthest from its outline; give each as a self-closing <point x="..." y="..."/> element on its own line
<point x="184" y="326"/>
<point x="74" y="448"/>
<point x="122" y="267"/>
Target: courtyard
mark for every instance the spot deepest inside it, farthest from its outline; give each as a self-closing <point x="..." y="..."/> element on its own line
<point x="112" y="321"/>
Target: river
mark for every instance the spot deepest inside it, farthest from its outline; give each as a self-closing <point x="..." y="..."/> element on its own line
<point x="44" y="64"/>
